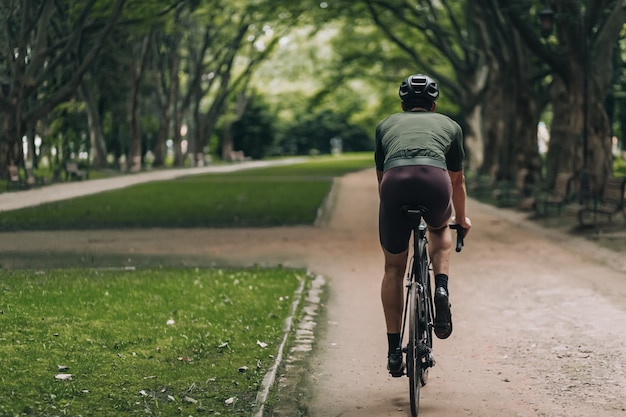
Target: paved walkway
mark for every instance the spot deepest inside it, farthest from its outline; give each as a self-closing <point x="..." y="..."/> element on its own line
<point x="66" y="190"/>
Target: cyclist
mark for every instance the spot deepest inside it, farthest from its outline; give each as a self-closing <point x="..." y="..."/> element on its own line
<point x="419" y="161"/>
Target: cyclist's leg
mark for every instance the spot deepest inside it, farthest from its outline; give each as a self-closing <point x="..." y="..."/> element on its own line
<point x="440" y="249"/>
<point x="440" y="237"/>
<point x="394" y="239"/>
<point x="392" y="289"/>
<point x="392" y="296"/>
<point x="394" y="233"/>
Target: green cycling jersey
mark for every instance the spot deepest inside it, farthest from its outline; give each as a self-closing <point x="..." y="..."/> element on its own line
<point x="419" y="138"/>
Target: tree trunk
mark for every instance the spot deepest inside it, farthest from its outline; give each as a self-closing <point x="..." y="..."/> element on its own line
<point x="567" y="138"/>
<point x="497" y="131"/>
<point x="169" y="96"/>
<point x="14" y="130"/>
<point x="474" y="138"/>
<point x="96" y="135"/>
<point x="198" y="134"/>
<point x="137" y="70"/>
<point x="525" y="119"/>
<point x="586" y="33"/>
<point x="228" y="141"/>
<point x="179" y="158"/>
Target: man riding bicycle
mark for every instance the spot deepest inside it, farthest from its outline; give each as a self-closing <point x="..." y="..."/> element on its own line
<point x="419" y="162"/>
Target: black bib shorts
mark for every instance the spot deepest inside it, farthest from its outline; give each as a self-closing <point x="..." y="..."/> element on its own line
<point x="413" y="185"/>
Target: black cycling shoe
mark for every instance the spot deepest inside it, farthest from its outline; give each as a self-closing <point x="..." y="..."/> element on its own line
<point x="395" y="365"/>
<point x="443" y="316"/>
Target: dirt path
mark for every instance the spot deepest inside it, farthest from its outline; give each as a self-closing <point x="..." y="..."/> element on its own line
<point x="539" y="317"/>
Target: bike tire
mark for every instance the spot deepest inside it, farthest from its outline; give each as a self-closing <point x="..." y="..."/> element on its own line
<point x="426" y="321"/>
<point x="414" y="361"/>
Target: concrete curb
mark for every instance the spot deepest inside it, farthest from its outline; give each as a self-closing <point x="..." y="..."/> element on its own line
<point x="304" y="335"/>
<point x="326" y="208"/>
<point x="270" y="376"/>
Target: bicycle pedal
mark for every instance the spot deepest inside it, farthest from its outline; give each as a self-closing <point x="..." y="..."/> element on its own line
<point x="429" y="362"/>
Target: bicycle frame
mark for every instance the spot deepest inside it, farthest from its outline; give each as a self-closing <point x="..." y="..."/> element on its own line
<point x="418" y="277"/>
<point x="419" y="307"/>
<point x="419" y="310"/>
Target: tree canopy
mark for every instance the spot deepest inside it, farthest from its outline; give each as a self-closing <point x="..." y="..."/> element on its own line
<point x="119" y="84"/>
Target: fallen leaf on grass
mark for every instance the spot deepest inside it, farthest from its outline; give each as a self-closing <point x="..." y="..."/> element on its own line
<point x="263" y="345"/>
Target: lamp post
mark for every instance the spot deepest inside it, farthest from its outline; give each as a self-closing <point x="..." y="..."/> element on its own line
<point x="546" y="17"/>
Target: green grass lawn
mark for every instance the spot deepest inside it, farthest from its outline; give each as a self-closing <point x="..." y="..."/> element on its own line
<point x="282" y="195"/>
<point x="150" y="342"/>
<point x="155" y="341"/>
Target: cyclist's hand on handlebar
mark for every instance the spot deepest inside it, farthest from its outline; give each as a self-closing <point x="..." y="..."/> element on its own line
<point x="466" y="224"/>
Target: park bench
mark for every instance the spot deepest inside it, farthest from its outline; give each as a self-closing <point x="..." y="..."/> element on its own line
<point x="238" y="156"/>
<point x="557" y="198"/>
<point x="611" y="202"/>
<point x="482" y="185"/>
<point x="73" y="172"/>
<point x="515" y="193"/>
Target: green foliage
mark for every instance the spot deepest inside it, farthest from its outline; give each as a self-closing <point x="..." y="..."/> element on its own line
<point x="315" y="132"/>
<point x="619" y="167"/>
<point x="112" y="331"/>
<point x="286" y="195"/>
<point x="66" y="132"/>
<point x="254" y="133"/>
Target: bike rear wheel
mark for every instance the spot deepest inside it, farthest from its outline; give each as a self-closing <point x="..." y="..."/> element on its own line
<point x="413" y="357"/>
<point x="426" y="328"/>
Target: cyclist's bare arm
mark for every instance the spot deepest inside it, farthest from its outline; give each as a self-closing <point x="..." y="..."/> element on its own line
<point x="459" y="197"/>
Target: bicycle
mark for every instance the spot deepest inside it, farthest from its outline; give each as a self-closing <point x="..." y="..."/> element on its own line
<point x="418" y="307"/>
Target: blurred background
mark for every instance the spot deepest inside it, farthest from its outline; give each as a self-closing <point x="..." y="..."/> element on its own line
<point x="100" y="87"/>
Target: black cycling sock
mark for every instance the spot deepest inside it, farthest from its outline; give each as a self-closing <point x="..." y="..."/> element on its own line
<point x="441" y="280"/>
<point x="394" y="342"/>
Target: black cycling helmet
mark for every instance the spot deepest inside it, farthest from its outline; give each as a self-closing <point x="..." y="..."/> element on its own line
<point x="418" y="88"/>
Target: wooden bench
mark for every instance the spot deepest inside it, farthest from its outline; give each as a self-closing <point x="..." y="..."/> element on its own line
<point x="558" y="198"/>
<point x="72" y="172"/>
<point x="611" y="202"/>
<point x="238" y="156"/>
<point x="518" y="193"/>
<point x="480" y="187"/>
